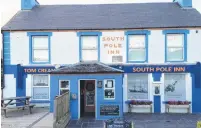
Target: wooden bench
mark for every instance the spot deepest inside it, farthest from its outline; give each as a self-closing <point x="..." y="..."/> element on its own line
<point x="20" y="102"/>
<point x="18" y="107"/>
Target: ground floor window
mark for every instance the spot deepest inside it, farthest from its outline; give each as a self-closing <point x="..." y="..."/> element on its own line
<point x="109" y="89"/>
<point x="138" y="86"/>
<point x="175" y="87"/>
<point x="40" y="87"/>
<point x="64" y="86"/>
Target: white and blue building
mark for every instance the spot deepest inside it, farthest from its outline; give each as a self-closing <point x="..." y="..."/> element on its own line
<point x="105" y="55"/>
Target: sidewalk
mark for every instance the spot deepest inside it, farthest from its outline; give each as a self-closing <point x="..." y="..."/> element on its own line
<point x="22" y="118"/>
<point x="46" y="122"/>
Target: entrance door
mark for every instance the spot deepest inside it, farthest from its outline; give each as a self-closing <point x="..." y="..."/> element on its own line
<point x="88" y="93"/>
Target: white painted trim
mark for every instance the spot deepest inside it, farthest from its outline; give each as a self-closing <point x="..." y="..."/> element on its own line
<point x="125" y="96"/>
<point x="40" y="86"/>
<point x="189" y="89"/>
<point x="79" y="97"/>
<point x="162" y="89"/>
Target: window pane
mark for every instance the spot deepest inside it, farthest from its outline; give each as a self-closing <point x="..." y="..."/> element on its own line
<point x="40" y="55"/>
<point x="41" y="93"/>
<point x="137" y="41"/>
<point x="40" y="80"/>
<point x="137" y="86"/>
<point x="40" y="42"/>
<point x="175" y="87"/>
<point x="136" y="55"/>
<point x="89" y="42"/>
<point x="63" y="91"/>
<point x="174" y="54"/>
<point x="175" y="40"/>
<point x="64" y="84"/>
<point x="109" y="93"/>
<point x="89" y="55"/>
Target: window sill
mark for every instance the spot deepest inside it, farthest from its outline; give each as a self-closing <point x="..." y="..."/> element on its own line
<point x="175" y="61"/>
<point x="39" y="63"/>
<point x="40" y="101"/>
<point x="137" y="62"/>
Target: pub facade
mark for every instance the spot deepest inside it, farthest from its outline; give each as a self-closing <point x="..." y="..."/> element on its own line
<point x="110" y="64"/>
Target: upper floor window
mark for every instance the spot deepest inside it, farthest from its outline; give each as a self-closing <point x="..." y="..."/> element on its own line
<point x="39" y="47"/>
<point x="89" y="48"/>
<point x="137" y="46"/>
<point x="175" y="45"/>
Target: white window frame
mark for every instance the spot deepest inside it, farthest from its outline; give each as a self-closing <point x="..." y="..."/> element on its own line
<point x="32" y="94"/>
<point x="130" y="48"/>
<point x="182" y="47"/>
<point x="83" y="49"/>
<point x="148" y="87"/>
<point x="105" y="81"/>
<point x="33" y="49"/>
<point x="63" y="88"/>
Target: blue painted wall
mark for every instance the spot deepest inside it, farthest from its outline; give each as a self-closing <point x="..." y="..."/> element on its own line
<point x="157" y="104"/>
<point x="6" y="48"/>
<point x="156" y="77"/>
<point x="74" y="79"/>
<point x="196" y="95"/>
<point x="157" y="98"/>
<point x="20" y="75"/>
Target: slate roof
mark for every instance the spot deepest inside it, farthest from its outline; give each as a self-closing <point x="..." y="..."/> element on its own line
<point x="86" y="68"/>
<point x="105" y="16"/>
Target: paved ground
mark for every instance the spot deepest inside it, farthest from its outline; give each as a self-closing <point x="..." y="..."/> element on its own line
<point x="22" y="118"/>
<point x="46" y="122"/>
<point x="41" y="118"/>
<point x="145" y="121"/>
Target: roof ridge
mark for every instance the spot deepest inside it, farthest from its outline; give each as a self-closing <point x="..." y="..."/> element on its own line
<point x="105" y="4"/>
<point x="102" y="64"/>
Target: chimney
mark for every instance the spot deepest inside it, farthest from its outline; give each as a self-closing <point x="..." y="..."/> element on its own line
<point x="28" y="4"/>
<point x="184" y="3"/>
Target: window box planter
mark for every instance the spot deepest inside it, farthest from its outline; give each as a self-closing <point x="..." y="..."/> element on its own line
<point x="178" y="107"/>
<point x="140" y="106"/>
